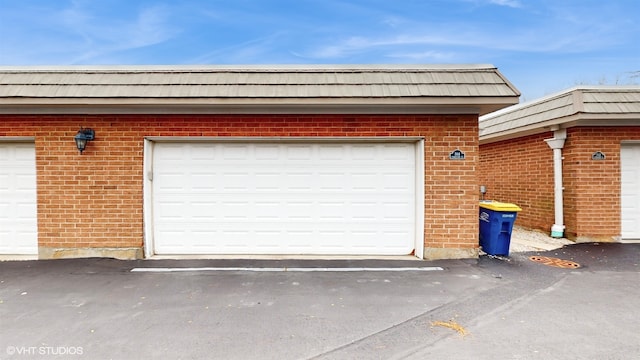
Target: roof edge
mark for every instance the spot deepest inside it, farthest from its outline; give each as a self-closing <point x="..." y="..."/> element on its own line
<point x="555" y="95"/>
<point x="565" y="122"/>
<point x="253" y="106"/>
<point x="248" y="68"/>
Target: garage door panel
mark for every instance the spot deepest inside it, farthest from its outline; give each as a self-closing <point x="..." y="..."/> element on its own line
<point x="237" y="152"/>
<point x="230" y="240"/>
<point x="630" y="190"/>
<point x="299" y="152"/>
<point x="397" y="152"/>
<point x="267" y="151"/>
<point x="18" y="209"/>
<point x="199" y="153"/>
<point x="204" y="182"/>
<point x="331" y="152"/>
<point x="332" y="198"/>
<point x="24" y="182"/>
<point x="174" y="152"/>
<point x="24" y="213"/>
<point x="283" y="209"/>
<point x="396" y="211"/>
<point x="173" y="181"/>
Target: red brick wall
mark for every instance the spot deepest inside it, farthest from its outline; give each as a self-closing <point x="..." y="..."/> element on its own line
<point x="521" y="171"/>
<point x="451" y="202"/>
<point x="592" y="188"/>
<point x="89" y="200"/>
<point x="95" y="199"/>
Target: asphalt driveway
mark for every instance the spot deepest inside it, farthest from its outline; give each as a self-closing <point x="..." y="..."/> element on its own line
<point x="483" y="309"/>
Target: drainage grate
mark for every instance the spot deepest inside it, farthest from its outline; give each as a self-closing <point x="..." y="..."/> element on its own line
<point x="565" y="264"/>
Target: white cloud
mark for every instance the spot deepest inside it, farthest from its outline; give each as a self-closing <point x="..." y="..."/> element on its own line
<point x="85" y="33"/>
<point x="358" y="44"/>
<point x="442" y="41"/>
<point x="103" y="36"/>
<point x="394" y="21"/>
<point x="508" y="3"/>
<point x="252" y="50"/>
<point x="424" y="56"/>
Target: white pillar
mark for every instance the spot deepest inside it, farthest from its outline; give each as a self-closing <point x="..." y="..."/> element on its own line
<point x="557" y="143"/>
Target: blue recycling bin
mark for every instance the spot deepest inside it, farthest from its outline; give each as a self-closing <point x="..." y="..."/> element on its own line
<point x="496" y="223"/>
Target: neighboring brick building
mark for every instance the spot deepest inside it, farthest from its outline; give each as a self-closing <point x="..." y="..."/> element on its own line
<point x="597" y="135"/>
<point x="248" y="160"/>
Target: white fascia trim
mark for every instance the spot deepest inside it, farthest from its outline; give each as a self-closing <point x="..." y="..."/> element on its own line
<point x="17" y="139"/>
<point x="147" y="203"/>
<point x="290" y="139"/>
<point x="346" y="105"/>
<point x="527" y="130"/>
<point x="419" y="204"/>
<point x="245" y="110"/>
<point x="175" y="101"/>
<point x="246" y="68"/>
<point x="610" y="120"/>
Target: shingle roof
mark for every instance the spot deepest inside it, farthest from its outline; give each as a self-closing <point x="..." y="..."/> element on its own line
<point x="479" y="87"/>
<point x="584" y="105"/>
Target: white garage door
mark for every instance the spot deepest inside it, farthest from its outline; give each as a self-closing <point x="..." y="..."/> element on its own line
<point x="284" y="198"/>
<point x="630" y="171"/>
<point x="18" y="211"/>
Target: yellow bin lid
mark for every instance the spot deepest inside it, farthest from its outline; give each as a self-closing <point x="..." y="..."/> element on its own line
<point x="499" y="206"/>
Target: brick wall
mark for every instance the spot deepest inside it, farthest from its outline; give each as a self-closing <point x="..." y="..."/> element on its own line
<point x="89" y="200"/>
<point x="521" y="171"/>
<point x="451" y="203"/>
<point x="592" y="188"/>
<point x="95" y="199"/>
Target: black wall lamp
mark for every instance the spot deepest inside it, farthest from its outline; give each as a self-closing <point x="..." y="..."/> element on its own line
<point x="82" y="137"/>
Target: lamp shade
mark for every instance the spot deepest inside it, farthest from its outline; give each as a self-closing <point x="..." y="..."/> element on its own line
<point x="82" y="137"/>
<point x="81" y="142"/>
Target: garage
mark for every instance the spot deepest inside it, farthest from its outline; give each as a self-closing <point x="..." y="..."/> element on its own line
<point x="18" y="211"/>
<point x="192" y="161"/>
<point x="630" y="192"/>
<point x="334" y="197"/>
<point x="595" y="130"/>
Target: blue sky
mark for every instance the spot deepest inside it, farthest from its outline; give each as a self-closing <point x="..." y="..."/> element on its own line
<point x="542" y="46"/>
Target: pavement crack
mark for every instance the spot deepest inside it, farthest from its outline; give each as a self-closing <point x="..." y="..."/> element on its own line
<point x="419" y="322"/>
<point x="409" y="337"/>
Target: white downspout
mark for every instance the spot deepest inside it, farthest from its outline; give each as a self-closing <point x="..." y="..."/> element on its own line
<point x="557" y="143"/>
